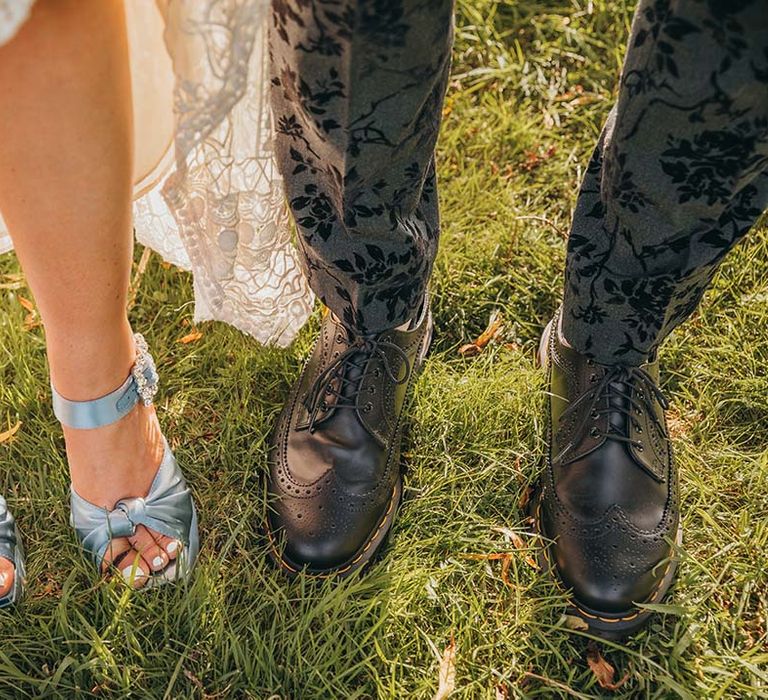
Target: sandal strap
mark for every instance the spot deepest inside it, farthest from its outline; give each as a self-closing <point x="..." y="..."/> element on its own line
<point x="8" y="540"/>
<point x="141" y="385"/>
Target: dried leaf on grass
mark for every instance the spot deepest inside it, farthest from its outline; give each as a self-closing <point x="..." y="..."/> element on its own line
<point x="502" y="692"/>
<point x="192" y="337"/>
<point x="519" y="543"/>
<point x="534" y="158"/>
<point x="525" y="498"/>
<point x="26" y="303"/>
<point x="32" y="319"/>
<point x="446" y="677"/>
<point x="603" y="671"/>
<point x="504" y="557"/>
<point x="573" y="622"/>
<point x="8" y="434"/>
<point x="492" y="332"/>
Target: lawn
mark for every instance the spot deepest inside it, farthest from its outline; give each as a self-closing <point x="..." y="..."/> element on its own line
<point x="532" y="82"/>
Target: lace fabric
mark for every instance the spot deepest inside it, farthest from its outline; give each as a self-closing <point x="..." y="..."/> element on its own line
<point x="208" y="195"/>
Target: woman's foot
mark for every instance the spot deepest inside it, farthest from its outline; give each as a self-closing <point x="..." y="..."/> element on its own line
<point x="130" y="505"/>
<point x="118" y="461"/>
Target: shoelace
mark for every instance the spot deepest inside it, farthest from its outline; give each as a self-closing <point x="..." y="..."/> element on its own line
<point x="357" y="355"/>
<point x="604" y="391"/>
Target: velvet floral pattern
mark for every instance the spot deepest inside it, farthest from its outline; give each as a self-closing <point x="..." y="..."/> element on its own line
<point x="357" y="91"/>
<point x="679" y="175"/>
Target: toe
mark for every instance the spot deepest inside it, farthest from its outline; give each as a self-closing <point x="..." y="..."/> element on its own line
<point x="116" y="552"/>
<point x="169" y="545"/>
<point x="128" y="561"/>
<point x="145" y="542"/>
<point x="7" y="572"/>
<point x="134" y="569"/>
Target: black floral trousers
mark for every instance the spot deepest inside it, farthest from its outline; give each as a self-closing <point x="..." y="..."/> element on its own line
<point x="357" y="93"/>
<point x="678" y="177"/>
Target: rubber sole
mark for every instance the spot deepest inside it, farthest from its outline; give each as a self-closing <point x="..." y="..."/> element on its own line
<point x="359" y="561"/>
<point x="610" y="626"/>
<point x="368" y="551"/>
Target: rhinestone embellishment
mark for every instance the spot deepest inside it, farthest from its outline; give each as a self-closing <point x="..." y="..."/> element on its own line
<point x="144" y="371"/>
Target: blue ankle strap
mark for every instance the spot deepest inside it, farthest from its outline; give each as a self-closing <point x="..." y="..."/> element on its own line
<point x="141" y="384"/>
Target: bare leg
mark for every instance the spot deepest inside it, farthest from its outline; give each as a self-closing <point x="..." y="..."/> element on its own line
<point x="65" y="192"/>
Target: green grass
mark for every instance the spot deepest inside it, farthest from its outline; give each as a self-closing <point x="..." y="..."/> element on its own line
<point x="240" y="630"/>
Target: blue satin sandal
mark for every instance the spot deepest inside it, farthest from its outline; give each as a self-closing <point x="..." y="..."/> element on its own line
<point x="11" y="549"/>
<point x="168" y="507"/>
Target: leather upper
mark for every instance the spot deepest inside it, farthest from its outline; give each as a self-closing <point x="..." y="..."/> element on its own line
<point x="609" y="495"/>
<point x="334" y="457"/>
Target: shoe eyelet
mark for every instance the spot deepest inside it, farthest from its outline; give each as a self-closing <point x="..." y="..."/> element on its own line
<point x="590" y="361"/>
<point x="592" y="378"/>
<point x="594" y="414"/>
<point x="376" y="372"/>
<point x="638" y="429"/>
<point x="640" y="448"/>
<point x="371" y="389"/>
<point x="368" y="407"/>
<point x="594" y="432"/>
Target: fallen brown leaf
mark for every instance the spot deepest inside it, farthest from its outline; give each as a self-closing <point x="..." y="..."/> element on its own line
<point x="533" y="159"/>
<point x="573" y="622"/>
<point x="491" y="332"/>
<point x="525" y="498"/>
<point x="192" y="337"/>
<point x="31" y="320"/>
<point x="8" y="434"/>
<point x="26" y="303"/>
<point x="502" y="692"/>
<point x="603" y="671"/>
<point x="679" y="423"/>
<point x="446" y="677"/>
<point x="519" y="543"/>
<point x="504" y="557"/>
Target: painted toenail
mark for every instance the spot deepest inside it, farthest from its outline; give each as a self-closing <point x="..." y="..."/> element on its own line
<point x="128" y="573"/>
<point x="171" y="547"/>
<point x="158" y="561"/>
<point x="3" y="579"/>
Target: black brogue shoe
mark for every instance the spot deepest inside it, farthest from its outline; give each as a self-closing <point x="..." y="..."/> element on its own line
<point x="334" y="481"/>
<point x="607" y="504"/>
